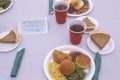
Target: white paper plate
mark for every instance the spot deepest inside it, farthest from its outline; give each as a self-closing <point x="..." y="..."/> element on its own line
<point x="92" y="20"/>
<point x="76" y="15"/>
<point x="7" y="7"/>
<point x="106" y="50"/>
<point x="67" y="48"/>
<point x="5" y="47"/>
<point x="90" y="9"/>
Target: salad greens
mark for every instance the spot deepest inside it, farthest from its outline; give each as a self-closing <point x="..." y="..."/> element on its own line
<point x="79" y="74"/>
<point x="4" y="3"/>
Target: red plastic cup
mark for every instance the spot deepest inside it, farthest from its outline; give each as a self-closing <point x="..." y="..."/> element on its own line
<point x="60" y="9"/>
<point x="76" y="29"/>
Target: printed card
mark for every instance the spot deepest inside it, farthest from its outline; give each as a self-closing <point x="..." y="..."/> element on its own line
<point x="33" y="26"/>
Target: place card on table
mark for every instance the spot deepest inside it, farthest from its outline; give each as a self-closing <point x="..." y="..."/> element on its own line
<point x="33" y="26"/>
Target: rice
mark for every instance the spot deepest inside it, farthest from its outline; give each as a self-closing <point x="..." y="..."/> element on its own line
<point x="55" y="72"/>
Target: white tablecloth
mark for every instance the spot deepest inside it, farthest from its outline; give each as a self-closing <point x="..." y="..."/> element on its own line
<point x="106" y="12"/>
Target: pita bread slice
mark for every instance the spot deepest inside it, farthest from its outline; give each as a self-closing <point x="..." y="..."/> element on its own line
<point x="89" y="23"/>
<point x="100" y="39"/>
<point x="11" y="37"/>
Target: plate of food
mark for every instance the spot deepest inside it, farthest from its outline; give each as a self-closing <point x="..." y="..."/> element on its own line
<point x="5" y="5"/>
<point x="101" y="41"/>
<point x="69" y="62"/>
<point x="79" y="7"/>
<point x="9" y="40"/>
<point x="91" y="23"/>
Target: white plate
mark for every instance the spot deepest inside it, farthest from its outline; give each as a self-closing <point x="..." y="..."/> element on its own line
<point x="90" y="9"/>
<point x="4" y="47"/>
<point x="94" y="21"/>
<point x="67" y="48"/>
<point x="106" y="50"/>
<point x="7" y="7"/>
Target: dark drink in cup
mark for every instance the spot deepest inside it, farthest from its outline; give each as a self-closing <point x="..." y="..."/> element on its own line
<point x="61" y="11"/>
<point x="76" y="30"/>
<point x="61" y="7"/>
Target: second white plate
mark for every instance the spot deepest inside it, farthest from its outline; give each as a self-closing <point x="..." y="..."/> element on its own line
<point x="67" y="48"/>
<point x="90" y="9"/>
<point x="93" y="21"/>
<point x="4" y="47"/>
<point x="106" y="50"/>
<point x="76" y="15"/>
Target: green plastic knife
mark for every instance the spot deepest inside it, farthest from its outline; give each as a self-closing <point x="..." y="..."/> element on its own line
<point x="17" y="62"/>
<point x="97" y="66"/>
<point x="51" y="10"/>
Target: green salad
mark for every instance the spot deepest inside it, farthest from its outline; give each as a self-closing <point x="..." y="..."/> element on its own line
<point x="4" y="3"/>
<point x="79" y="74"/>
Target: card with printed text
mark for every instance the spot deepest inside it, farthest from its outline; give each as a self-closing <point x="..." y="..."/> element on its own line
<point x="33" y="26"/>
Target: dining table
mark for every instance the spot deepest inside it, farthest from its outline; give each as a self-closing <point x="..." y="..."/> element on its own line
<point x="37" y="46"/>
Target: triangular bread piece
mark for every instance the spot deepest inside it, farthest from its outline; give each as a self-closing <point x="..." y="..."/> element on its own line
<point x="11" y="37"/>
<point x="89" y="23"/>
<point x="100" y="39"/>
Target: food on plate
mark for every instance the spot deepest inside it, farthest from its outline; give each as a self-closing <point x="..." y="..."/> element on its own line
<point x="68" y="1"/>
<point x="73" y="1"/>
<point x="78" y="7"/>
<point x="1" y="9"/>
<point x="77" y="4"/>
<point x="55" y="72"/>
<point x="74" y="54"/>
<point x="100" y="38"/>
<point x="83" y="61"/>
<point x="4" y="4"/>
<point x="59" y="56"/>
<point x="79" y="74"/>
<point x="90" y="25"/>
<point x="67" y="67"/>
<point x="11" y="37"/>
